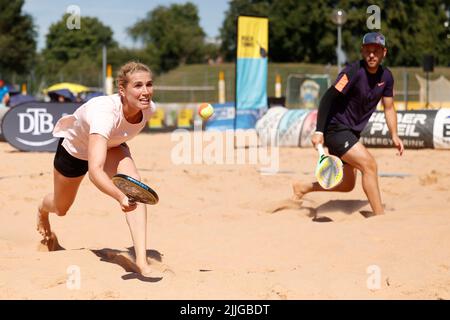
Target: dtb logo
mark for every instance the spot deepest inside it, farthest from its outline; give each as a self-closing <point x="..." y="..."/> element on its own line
<point x="35" y="121"/>
<point x="29" y="126"/>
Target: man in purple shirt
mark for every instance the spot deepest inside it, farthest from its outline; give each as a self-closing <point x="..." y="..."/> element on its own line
<point x="344" y="111"/>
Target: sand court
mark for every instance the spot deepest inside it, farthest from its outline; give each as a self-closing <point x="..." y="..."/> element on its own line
<point x="230" y="231"/>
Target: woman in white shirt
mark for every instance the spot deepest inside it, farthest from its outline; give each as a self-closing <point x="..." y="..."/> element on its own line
<point x="92" y="140"/>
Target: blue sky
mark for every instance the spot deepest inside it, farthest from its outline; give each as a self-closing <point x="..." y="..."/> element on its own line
<point x="119" y="14"/>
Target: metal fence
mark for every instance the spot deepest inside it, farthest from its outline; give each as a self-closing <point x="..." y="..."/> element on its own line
<point x="199" y="83"/>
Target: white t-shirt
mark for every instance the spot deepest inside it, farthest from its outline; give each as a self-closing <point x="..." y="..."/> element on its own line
<point x="102" y="115"/>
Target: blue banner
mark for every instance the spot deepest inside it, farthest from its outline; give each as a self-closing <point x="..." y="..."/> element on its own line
<point x="251" y="70"/>
<point x="223" y="117"/>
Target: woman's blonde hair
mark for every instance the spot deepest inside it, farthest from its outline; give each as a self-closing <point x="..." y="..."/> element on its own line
<point x="128" y="69"/>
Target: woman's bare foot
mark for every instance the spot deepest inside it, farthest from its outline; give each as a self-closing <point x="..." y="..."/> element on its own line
<point x="370" y="214"/>
<point x="147" y="271"/>
<point x="43" y="224"/>
<point x="49" y="244"/>
<point x="299" y="190"/>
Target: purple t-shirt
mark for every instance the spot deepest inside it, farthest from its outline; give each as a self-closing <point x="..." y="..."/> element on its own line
<point x="362" y="91"/>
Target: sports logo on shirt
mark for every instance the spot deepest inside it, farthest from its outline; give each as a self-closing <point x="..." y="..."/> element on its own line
<point x="380" y="84"/>
<point x="340" y="85"/>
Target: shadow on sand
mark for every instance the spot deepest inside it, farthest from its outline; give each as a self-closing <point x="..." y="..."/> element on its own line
<point x="318" y="214"/>
<point x="126" y="259"/>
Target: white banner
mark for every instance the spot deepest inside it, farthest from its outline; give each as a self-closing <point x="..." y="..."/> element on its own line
<point x="267" y="125"/>
<point x="441" y="129"/>
<point x="290" y="126"/>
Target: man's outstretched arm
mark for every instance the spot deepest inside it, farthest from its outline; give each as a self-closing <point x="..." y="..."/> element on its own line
<point x="391" y="120"/>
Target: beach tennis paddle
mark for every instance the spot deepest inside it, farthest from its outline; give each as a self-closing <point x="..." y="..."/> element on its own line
<point x="135" y="190"/>
<point x="329" y="169"/>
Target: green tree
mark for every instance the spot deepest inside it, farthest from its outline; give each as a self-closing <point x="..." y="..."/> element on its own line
<point x="302" y="31"/>
<point x="299" y="30"/>
<point x="148" y="55"/>
<point x="415" y="29"/>
<point x="17" y="38"/>
<point x="64" y="44"/>
<point x="228" y="31"/>
<point x="174" y="32"/>
<point x="75" y="54"/>
<point x="412" y="29"/>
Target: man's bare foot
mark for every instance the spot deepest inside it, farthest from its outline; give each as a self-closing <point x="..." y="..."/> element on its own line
<point x="299" y="190"/>
<point x="43" y="224"/>
<point x="284" y="205"/>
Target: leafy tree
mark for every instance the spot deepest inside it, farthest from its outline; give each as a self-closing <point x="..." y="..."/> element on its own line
<point x="17" y="38"/>
<point x="75" y="54"/>
<point x="416" y="28"/>
<point x="412" y="29"/>
<point x="64" y="44"/>
<point x="302" y="31"/>
<point x="148" y="55"/>
<point x="174" y="32"/>
<point x="211" y="50"/>
<point x="228" y="32"/>
<point x="299" y="30"/>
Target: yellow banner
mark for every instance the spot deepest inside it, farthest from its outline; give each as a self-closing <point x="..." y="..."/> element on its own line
<point x="185" y="118"/>
<point x="253" y="37"/>
<point x="157" y="119"/>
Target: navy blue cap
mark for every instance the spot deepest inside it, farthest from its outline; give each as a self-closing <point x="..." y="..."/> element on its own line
<point x="374" y="37"/>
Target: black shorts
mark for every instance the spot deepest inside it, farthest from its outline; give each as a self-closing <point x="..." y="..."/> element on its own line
<point x="339" y="139"/>
<point x="68" y="165"/>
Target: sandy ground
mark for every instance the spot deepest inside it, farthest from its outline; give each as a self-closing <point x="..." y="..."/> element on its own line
<point x="217" y="233"/>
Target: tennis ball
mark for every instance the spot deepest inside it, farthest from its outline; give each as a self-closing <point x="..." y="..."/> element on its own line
<point x="205" y="110"/>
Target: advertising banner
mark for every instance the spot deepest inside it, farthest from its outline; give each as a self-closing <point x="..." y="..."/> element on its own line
<point x="308" y="129"/>
<point x="441" y="130"/>
<point x="223" y="117"/>
<point x="251" y="70"/>
<point x="29" y="126"/>
<point x="304" y="91"/>
<point x="267" y="126"/>
<point x="290" y="127"/>
<point x="415" y="128"/>
<point x="418" y="129"/>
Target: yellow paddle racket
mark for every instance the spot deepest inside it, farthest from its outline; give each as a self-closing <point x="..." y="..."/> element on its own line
<point x="329" y="169"/>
